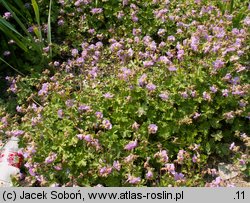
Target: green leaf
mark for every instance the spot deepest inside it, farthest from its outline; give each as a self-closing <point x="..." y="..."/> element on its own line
<point x="208" y="148"/>
<point x="81" y="163"/>
<point x="217" y="136"/>
<point x="36" y="31"/>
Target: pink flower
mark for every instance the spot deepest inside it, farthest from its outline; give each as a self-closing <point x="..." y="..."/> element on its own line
<point x="180" y="54"/>
<point x="213" y="89"/>
<point x="99" y="114"/>
<point x="194" y="158"/>
<point x="51" y="158"/>
<point x="152" y="128"/>
<point x="58" y="168"/>
<point x="135" y="126"/>
<point x="136" y="32"/>
<point x="217" y="181"/>
<point x="151" y="87"/>
<point x="172" y="68"/>
<point x="117" y="165"/>
<point x="196" y="115"/>
<point x="130" y="158"/>
<point x="131" y="145"/>
<point x="6" y="53"/>
<point x="194" y="43"/>
<point x="96" y="10"/>
<point x="108" y="95"/>
<point x="17" y="133"/>
<point x="213" y="172"/>
<point x="218" y="64"/>
<point x="60" y="113"/>
<point x="32" y="172"/>
<point x="242" y="162"/>
<point x="19" y="109"/>
<point x="142" y="80"/>
<point x="83" y="108"/>
<point x="180" y="156"/>
<point x="69" y="102"/>
<point x="7" y="15"/>
<point x="247" y="21"/>
<point x="178" y="176"/>
<point x="161" y="32"/>
<point x="74" y="52"/>
<point x="232" y="146"/>
<point x="184" y="95"/>
<point x="171" y="38"/>
<point x="133" y="180"/>
<point x="170" y="168"/>
<point x="149" y="175"/>
<point x="164" y="59"/>
<point x="105" y="171"/>
<point x="80" y="136"/>
<point x="162" y="155"/>
<point x="148" y="63"/>
<point x="164" y="96"/>
<point x="225" y="93"/>
<point x="107" y="125"/>
<point x="44" y="90"/>
<point x="87" y="138"/>
<point x="206" y="96"/>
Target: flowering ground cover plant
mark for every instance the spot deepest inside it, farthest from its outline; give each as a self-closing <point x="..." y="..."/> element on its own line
<point x="139" y="93"/>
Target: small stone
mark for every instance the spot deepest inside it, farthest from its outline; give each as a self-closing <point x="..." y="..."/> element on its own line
<point x="227" y="171"/>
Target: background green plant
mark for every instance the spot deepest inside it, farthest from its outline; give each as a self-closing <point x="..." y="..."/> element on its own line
<point x="30" y="57"/>
<point x="46" y="132"/>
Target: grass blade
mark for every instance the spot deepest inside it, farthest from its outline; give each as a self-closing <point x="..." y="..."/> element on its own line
<point x="49" y="29"/>
<point x="13" y="36"/>
<point x="5" y="23"/>
<point x="34" y="44"/>
<point x="11" y="66"/>
<point x="231" y="6"/>
<point x="37" y="14"/>
<point x="16" y="18"/>
<point x="18" y="12"/>
<point x="23" y="9"/>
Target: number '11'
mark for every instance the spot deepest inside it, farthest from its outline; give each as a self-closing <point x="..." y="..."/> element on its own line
<point x="240" y="195"/>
